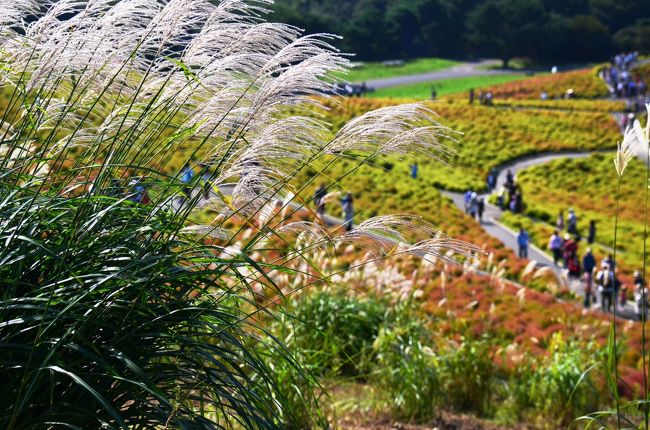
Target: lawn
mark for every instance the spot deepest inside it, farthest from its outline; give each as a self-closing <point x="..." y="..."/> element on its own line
<point x="369" y="71"/>
<point x="443" y="87"/>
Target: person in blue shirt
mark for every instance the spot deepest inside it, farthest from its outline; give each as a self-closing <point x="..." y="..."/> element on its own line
<point x="523" y="240"/>
<point x="187" y="174"/>
<point x="414" y="170"/>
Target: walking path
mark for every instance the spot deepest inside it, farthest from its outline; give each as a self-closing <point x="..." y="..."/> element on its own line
<point x="479" y="68"/>
<point x="505" y="235"/>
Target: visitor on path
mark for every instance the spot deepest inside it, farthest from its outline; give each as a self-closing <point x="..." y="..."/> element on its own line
<point x="471" y="96"/>
<point x="523" y="240"/>
<point x="573" y="266"/>
<point x="348" y="211"/>
<point x="140" y="193"/>
<point x="490" y="181"/>
<point x="467" y="199"/>
<point x="489" y="98"/>
<point x="501" y="197"/>
<point x="206" y="177"/>
<point x="608" y="262"/>
<point x="591" y="236"/>
<point x="319" y="194"/>
<point x="473" y="206"/>
<point x="569" y="249"/>
<point x="588" y="265"/>
<point x="510" y="178"/>
<point x="555" y="245"/>
<point x="187" y="174"/>
<point x="640" y="297"/>
<point x="572" y="222"/>
<point x="414" y="170"/>
<point x="559" y="223"/>
<point x="481" y="209"/>
<point x="606" y="287"/>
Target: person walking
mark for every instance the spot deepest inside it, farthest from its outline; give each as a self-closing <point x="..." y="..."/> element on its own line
<point x="591" y="236"/>
<point x="319" y="194"/>
<point x="523" y="240"/>
<point x="187" y="174"/>
<point x="467" y="198"/>
<point x="414" y="170"/>
<point x="481" y="208"/>
<point x="348" y="211"/>
<point x="569" y="249"/>
<point x="605" y="281"/>
<point x="473" y="206"/>
<point x="640" y="297"/>
<point x="572" y="222"/>
<point x="555" y="245"/>
<point x="471" y="96"/>
<point x="588" y="265"/>
<point x="560" y="221"/>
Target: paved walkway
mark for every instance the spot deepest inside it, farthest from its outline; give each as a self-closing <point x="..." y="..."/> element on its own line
<point x="505" y="235"/>
<point x="464" y="70"/>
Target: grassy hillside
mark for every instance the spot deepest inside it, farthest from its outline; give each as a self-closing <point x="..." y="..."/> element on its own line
<point x="585" y="84"/>
<point x="491" y="136"/>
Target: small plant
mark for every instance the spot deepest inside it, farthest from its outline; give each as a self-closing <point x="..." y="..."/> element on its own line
<point x="467" y="372"/>
<point x="332" y="333"/>
<point x="406" y="367"/>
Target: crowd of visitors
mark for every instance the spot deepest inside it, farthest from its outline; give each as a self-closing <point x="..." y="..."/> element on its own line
<point x="509" y="195"/>
<point x="474" y="205"/>
<point x="352" y="90"/>
<point x="619" y="78"/>
<point x="485" y="98"/>
<point x="601" y="283"/>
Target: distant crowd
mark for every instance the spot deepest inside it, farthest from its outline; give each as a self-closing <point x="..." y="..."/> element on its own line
<point x="622" y="82"/>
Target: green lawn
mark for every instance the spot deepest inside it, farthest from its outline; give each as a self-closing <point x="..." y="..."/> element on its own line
<point x="446" y="86"/>
<point x="369" y="71"/>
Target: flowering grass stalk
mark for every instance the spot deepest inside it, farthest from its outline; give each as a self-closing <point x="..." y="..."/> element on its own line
<point x="129" y="300"/>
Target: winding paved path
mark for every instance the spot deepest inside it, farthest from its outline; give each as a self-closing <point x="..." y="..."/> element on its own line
<point x="464" y="70"/>
<point x="505" y="235"/>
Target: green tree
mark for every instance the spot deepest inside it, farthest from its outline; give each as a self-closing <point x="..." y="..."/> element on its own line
<point x="506" y="28"/>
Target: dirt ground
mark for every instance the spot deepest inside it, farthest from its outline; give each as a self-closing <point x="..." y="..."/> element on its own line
<point x="446" y="422"/>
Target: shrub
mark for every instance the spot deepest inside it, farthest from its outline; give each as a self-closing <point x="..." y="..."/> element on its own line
<point x="467" y="372"/>
<point x="332" y="333"/>
<point x="406" y="367"/>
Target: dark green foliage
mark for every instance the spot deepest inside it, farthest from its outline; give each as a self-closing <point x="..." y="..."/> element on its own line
<point x="108" y="318"/>
<point x="544" y="30"/>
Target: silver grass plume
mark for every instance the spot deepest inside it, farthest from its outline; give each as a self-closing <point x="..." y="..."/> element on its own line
<point x="114" y="77"/>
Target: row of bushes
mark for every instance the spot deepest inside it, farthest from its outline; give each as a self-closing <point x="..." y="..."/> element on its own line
<point x="422" y="371"/>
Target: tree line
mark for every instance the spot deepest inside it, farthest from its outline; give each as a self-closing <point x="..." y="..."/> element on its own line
<point x="542" y="30"/>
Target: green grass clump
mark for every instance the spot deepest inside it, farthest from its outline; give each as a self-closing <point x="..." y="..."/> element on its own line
<point x="333" y="333"/>
<point x="370" y="71"/>
<point x="422" y="90"/>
